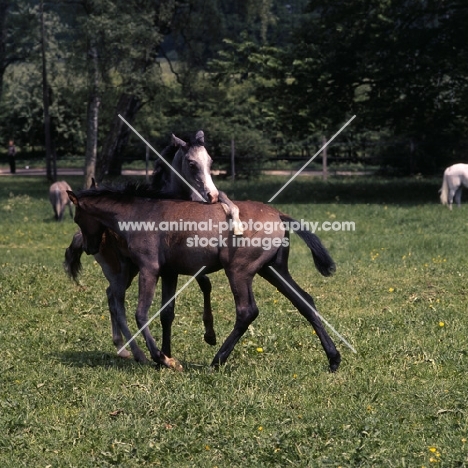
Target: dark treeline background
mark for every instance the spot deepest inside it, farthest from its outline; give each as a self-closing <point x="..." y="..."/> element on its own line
<point x="274" y="76"/>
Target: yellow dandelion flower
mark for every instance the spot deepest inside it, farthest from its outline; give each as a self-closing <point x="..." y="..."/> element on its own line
<point x="391" y="289"/>
<point x="259" y="350"/>
<point x="441" y="324"/>
<point x="207" y="447"/>
<point x="294" y="376"/>
<point x="463" y="440"/>
<point x="260" y="428"/>
<point x="432" y="449"/>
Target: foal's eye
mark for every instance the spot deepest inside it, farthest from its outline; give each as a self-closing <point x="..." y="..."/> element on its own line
<point x="192" y="165"/>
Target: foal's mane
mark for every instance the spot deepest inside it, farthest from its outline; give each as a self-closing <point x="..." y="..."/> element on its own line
<point x="161" y="173"/>
<point x="126" y="192"/>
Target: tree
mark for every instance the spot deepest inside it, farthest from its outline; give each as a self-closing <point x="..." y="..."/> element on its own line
<point x="51" y="162"/>
<point x="17" y="33"/>
<point x="398" y="65"/>
<point x="139" y="42"/>
<point x="18" y="39"/>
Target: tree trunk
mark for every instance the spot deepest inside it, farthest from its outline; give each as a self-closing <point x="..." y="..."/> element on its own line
<point x="117" y="137"/>
<point x="4" y="5"/>
<point x="92" y="119"/>
<point x="51" y="165"/>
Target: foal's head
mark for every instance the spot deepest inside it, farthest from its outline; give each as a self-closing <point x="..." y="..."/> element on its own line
<point x="194" y="164"/>
<point x="91" y="229"/>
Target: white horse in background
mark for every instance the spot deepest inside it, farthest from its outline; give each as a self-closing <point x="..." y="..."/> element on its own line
<point x="455" y="178"/>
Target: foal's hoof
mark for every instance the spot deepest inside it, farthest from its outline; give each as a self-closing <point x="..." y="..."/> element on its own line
<point x="140" y="357"/>
<point x="210" y="338"/>
<point x="335" y="362"/>
<point x="174" y="364"/>
<point x="125" y="354"/>
<point x="237" y="228"/>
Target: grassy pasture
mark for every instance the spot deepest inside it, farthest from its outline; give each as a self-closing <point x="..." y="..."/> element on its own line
<point x="399" y="296"/>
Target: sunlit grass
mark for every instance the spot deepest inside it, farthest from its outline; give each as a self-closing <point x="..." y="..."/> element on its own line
<point x="398" y="296"/>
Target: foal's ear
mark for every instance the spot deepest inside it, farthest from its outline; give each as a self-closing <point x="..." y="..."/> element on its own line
<point x="200" y="138"/>
<point x="175" y="141"/>
<point x="72" y="197"/>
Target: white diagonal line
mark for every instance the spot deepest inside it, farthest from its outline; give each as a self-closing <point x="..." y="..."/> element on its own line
<point x="311" y="159"/>
<point x="169" y="165"/>
<point x="160" y="310"/>
<point x="313" y="310"/>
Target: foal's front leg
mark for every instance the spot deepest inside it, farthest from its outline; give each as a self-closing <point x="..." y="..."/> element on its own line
<point x="169" y="286"/>
<point x="116" y="301"/>
<point x="231" y="209"/>
<point x="147" y="285"/>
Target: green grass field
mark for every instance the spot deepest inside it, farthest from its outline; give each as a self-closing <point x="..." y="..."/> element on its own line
<point x="399" y="297"/>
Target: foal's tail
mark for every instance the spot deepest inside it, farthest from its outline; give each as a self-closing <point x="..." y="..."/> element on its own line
<point x="72" y="263"/>
<point x="322" y="259"/>
<point x="444" y="191"/>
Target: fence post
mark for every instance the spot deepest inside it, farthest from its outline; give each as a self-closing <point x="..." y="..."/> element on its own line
<point x="147" y="162"/>
<point x="233" y="165"/>
<point x="324" y="160"/>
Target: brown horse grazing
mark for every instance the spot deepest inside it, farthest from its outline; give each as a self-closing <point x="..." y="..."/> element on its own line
<point x="120" y="271"/>
<point x="59" y="199"/>
<point x="167" y="253"/>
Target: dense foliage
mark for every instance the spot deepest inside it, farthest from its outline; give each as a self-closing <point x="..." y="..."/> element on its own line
<point x="273" y="77"/>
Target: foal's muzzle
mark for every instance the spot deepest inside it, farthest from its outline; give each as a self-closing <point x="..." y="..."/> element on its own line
<point x="212" y="197"/>
<point x="91" y="248"/>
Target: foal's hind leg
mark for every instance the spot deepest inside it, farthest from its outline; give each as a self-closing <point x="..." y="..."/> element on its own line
<point x="205" y="285"/>
<point x="305" y="304"/>
<point x="246" y="313"/>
